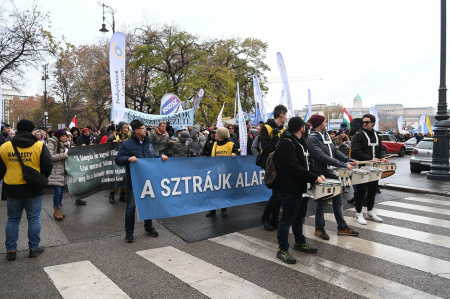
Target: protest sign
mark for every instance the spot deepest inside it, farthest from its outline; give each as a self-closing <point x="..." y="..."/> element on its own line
<point x="184" y="118"/>
<point x="182" y="186"/>
<point x="91" y="169"/>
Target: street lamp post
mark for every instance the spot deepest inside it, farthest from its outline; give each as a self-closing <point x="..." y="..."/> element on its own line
<point x="111" y="11"/>
<point x="44" y="78"/>
<point x="439" y="165"/>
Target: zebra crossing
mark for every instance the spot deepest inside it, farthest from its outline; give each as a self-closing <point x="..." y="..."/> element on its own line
<point x="326" y="269"/>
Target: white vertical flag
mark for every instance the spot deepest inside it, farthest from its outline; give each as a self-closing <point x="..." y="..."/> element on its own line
<point x="377" y="120"/>
<point x="1" y="102"/>
<point x="258" y="98"/>
<point x="117" y="74"/>
<point x="284" y="78"/>
<point x="282" y="97"/>
<point x="219" y="118"/>
<point x="400" y="123"/>
<point x="309" y="105"/>
<point x="242" y="126"/>
<point x="422" y="123"/>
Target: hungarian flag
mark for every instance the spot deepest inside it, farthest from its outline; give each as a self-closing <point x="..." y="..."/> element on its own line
<point x="73" y="123"/>
<point x="347" y="118"/>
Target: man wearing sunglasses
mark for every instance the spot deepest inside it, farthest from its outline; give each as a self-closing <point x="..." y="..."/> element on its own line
<point x="366" y="145"/>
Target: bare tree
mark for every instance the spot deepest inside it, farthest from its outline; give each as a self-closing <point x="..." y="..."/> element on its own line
<point x="24" y="39"/>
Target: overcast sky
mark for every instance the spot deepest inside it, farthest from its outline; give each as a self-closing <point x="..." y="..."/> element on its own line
<point x="387" y="51"/>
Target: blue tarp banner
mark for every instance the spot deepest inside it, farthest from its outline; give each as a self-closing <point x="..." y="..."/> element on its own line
<point x="182" y="186"/>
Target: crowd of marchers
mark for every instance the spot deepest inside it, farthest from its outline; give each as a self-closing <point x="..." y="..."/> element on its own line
<point x="304" y="154"/>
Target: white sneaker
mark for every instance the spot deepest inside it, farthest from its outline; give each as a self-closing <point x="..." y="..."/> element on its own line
<point x="372" y="216"/>
<point x="360" y="218"/>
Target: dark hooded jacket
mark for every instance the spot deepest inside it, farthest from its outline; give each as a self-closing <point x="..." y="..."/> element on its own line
<point x="290" y="163"/>
<point x="26" y="140"/>
<point x="266" y="145"/>
<point x="194" y="146"/>
<point x="207" y="149"/>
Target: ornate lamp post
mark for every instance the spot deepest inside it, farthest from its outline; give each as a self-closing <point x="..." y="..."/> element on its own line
<point x="439" y="165"/>
<point x="111" y="11"/>
<point x="44" y="78"/>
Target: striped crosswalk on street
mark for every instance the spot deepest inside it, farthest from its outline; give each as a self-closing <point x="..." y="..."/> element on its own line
<point x="384" y="261"/>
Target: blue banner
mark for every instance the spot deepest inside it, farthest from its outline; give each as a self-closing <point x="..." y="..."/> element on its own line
<point x="182" y="186"/>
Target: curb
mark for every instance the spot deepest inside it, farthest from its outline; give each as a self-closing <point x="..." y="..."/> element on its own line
<point x="412" y="189"/>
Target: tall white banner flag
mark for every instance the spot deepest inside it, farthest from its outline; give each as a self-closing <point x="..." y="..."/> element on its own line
<point x="377" y="120"/>
<point x="259" y="98"/>
<point x="242" y="126"/>
<point x="1" y="102"/>
<point x="422" y="123"/>
<point x="400" y="123"/>
<point x="282" y="97"/>
<point x="309" y="105"/>
<point x="117" y="74"/>
<point x="284" y="78"/>
<point x="219" y="118"/>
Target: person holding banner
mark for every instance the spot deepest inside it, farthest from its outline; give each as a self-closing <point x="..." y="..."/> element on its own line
<point x="291" y="159"/>
<point x="136" y="147"/>
<point x="223" y="147"/>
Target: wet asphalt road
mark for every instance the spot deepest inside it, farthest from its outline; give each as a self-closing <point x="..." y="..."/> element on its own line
<point x="95" y="233"/>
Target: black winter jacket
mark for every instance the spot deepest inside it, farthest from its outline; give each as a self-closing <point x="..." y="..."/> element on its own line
<point x="290" y="163"/>
<point x="266" y="145"/>
<point x="360" y="147"/>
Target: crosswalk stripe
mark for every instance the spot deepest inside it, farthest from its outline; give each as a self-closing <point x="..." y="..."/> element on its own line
<point x="353" y="280"/>
<point x="411" y="218"/>
<point x="428" y="200"/>
<point x="385" y="252"/>
<point x="83" y="280"/>
<point x="210" y="280"/>
<point x="415" y="207"/>
<point x="397" y="231"/>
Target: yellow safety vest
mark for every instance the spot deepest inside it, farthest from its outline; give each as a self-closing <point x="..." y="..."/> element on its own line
<point x="31" y="156"/>
<point x="222" y="150"/>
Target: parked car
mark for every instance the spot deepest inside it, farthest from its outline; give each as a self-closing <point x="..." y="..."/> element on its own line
<point x="422" y="156"/>
<point x="392" y="146"/>
<point x="410" y="144"/>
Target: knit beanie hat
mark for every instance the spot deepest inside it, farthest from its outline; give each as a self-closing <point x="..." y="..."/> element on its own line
<point x="85" y="130"/>
<point x="316" y="120"/>
<point x="5" y="126"/>
<point x="60" y="133"/>
<point x="25" y="125"/>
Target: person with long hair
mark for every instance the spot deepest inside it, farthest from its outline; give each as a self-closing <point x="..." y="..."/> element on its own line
<point x="58" y="148"/>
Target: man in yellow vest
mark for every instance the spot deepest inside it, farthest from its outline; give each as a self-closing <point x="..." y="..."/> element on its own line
<point x="20" y="196"/>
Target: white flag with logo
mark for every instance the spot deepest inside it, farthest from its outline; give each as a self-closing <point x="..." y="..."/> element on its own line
<point x="422" y="123"/>
<point x="219" y="118"/>
<point x="259" y="99"/>
<point x="284" y="78"/>
<point x="242" y="126"/>
<point x="117" y="74"/>
<point x="400" y="123"/>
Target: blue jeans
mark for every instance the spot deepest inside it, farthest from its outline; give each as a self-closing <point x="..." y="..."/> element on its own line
<point x="337" y="209"/>
<point x="294" y="212"/>
<point x="57" y="195"/>
<point x="15" y="207"/>
<point x="130" y="212"/>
